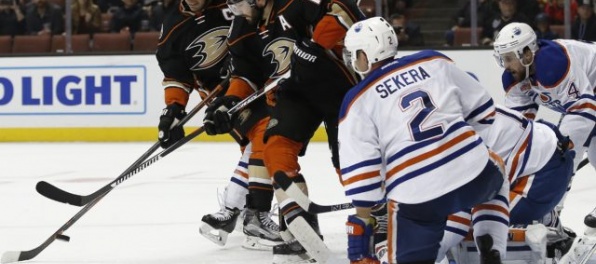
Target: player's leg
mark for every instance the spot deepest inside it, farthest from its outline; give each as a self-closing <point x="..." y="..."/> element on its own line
<point x="490" y="220"/>
<point x="457" y="228"/>
<point x="590" y="219"/>
<point x="292" y="123"/>
<point x="534" y="198"/>
<point x="218" y="225"/>
<point x="261" y="231"/>
<point x="415" y="230"/>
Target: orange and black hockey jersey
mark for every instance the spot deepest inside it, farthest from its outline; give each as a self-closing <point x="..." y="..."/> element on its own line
<point x="263" y="51"/>
<point x="192" y="49"/>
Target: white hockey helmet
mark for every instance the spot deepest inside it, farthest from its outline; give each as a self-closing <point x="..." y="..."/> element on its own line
<point x="514" y="37"/>
<point x="375" y="37"/>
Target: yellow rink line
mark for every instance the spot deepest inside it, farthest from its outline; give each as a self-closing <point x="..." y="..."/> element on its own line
<point x="106" y="134"/>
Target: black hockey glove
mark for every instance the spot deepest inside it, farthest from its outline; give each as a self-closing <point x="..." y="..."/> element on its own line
<point x="305" y="61"/>
<point x="564" y="143"/>
<point x="166" y="136"/>
<point x="217" y="120"/>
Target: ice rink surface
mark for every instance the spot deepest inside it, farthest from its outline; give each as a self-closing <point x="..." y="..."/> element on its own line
<point x="154" y="216"/>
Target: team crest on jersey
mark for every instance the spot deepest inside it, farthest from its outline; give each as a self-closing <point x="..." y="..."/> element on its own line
<point x="545" y="98"/>
<point x="211" y="48"/>
<point x="280" y="50"/>
<point x="525" y="87"/>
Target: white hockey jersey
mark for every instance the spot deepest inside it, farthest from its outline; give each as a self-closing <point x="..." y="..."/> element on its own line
<point x="525" y="146"/>
<point x="564" y="80"/>
<point x="407" y="126"/>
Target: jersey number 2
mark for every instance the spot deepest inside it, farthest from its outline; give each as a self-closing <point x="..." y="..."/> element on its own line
<point x="416" y="123"/>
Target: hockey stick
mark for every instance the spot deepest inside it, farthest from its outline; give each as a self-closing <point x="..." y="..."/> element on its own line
<point x="292" y="190"/>
<point x="299" y="227"/>
<point x="582" y="163"/>
<point x="13" y="256"/>
<point x="52" y="192"/>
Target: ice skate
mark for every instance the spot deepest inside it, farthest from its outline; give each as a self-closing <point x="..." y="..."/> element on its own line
<point x="291" y="253"/>
<point x="261" y="232"/>
<point x="559" y="238"/>
<point x="217" y="226"/>
<point x="488" y="255"/>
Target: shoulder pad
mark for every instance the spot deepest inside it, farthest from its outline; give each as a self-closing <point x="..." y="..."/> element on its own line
<point x="508" y="80"/>
<point x="237" y="29"/>
<point x="552" y="63"/>
<point x="422" y="55"/>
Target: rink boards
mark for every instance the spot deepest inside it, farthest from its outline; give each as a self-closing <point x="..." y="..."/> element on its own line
<point x="119" y="97"/>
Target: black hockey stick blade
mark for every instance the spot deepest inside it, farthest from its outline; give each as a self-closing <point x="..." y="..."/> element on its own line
<point x="302" y="200"/>
<point x="582" y="163"/>
<point x="57" y="194"/>
<point x="13" y="256"/>
<point x="54" y="193"/>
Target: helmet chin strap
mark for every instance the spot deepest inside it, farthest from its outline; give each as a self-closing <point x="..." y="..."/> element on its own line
<point x="527" y="65"/>
<point x="362" y="73"/>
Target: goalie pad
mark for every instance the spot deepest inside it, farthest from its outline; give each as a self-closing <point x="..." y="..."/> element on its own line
<point x="524" y="246"/>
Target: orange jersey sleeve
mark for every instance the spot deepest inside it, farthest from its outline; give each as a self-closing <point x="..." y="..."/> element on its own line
<point x="240" y="87"/>
<point x="175" y="91"/>
<point x="331" y="29"/>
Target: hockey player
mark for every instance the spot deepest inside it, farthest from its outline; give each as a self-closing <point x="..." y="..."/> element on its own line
<point x="268" y="39"/>
<point x="558" y="74"/>
<point x="408" y="126"/>
<point x="539" y="165"/>
<point x="192" y="54"/>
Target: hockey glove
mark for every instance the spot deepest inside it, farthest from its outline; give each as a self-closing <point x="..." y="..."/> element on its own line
<point x="564" y="143"/>
<point x="166" y="136"/>
<point x="305" y="61"/>
<point x="217" y="120"/>
<point x="361" y="247"/>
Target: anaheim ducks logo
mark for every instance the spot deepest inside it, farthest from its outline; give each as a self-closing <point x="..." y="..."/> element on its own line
<point x="211" y="48"/>
<point x="280" y="49"/>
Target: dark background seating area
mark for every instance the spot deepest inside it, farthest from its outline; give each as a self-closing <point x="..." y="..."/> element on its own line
<point x="81" y="43"/>
<point x="133" y="25"/>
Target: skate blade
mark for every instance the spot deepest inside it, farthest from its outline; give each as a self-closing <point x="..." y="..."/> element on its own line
<point x="293" y="259"/>
<point x="257" y="243"/>
<point x="216" y="236"/>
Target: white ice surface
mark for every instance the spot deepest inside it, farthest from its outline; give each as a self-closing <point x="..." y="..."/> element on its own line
<point x="154" y="216"/>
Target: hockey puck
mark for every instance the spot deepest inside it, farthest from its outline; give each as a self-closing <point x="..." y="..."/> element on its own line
<point x="63" y="238"/>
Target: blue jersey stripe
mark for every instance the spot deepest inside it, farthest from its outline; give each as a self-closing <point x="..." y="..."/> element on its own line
<point x="434" y="165"/>
<point x="480" y="109"/>
<point x="523" y="121"/>
<point x="585" y="115"/>
<point x="364" y="188"/>
<point x="528" y="150"/>
<point x="361" y="164"/>
<point x="423" y="144"/>
<point x="525" y="107"/>
<point x="493" y="218"/>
